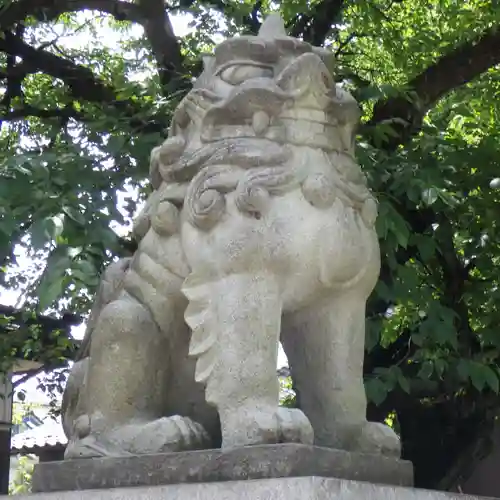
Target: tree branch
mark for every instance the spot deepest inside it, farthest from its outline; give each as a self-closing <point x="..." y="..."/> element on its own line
<point x="82" y="83"/>
<point x="49" y="10"/>
<point x="151" y="14"/>
<point x="27" y="111"/>
<point x="250" y="22"/>
<point x="455" y="276"/>
<point x="49" y="322"/>
<point x="314" y="27"/>
<point x="26" y="376"/>
<point x="20" y="327"/>
<point x="164" y="44"/>
<point x="452" y="70"/>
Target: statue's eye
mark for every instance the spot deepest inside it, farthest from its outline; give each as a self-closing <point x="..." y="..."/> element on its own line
<point x="234" y="75"/>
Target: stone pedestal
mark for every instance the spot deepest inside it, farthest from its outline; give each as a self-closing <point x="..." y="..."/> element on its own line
<point x="221" y="466"/>
<point x="294" y="488"/>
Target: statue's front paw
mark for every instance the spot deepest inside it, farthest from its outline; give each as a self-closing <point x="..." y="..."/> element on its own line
<point x="254" y="426"/>
<point x="379" y="439"/>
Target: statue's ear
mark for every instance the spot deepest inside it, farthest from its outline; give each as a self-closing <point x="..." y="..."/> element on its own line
<point x="208" y="70"/>
<point x="208" y="63"/>
<point x="328" y="58"/>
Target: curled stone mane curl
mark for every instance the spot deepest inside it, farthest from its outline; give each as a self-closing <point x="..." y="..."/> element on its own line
<point x="182" y="166"/>
<point x="253" y="173"/>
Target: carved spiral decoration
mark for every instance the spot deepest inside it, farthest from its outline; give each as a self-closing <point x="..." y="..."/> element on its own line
<point x="257" y="185"/>
<point x="205" y="201"/>
<point x="252" y="199"/>
<point x="206" y="209"/>
<point x="209" y="206"/>
<point x="319" y="190"/>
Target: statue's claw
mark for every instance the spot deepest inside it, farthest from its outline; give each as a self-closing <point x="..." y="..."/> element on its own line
<point x="250" y="426"/>
<point x="379" y="439"/>
<point x="294" y="426"/>
<point x="164" y="435"/>
<point x="90" y="447"/>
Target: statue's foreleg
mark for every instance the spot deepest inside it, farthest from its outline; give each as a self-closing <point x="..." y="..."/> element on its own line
<point x="236" y="323"/>
<point x="325" y="347"/>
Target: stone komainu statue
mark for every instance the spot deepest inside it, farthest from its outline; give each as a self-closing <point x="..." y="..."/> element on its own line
<point x="260" y="228"/>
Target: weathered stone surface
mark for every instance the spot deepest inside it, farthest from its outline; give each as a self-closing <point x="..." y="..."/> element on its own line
<point x="297" y="488"/>
<point x="256" y="462"/>
<point x="260" y="228"/>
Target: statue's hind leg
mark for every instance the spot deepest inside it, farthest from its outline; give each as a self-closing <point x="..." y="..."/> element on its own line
<point x="325" y="347"/>
<point x="72" y="405"/>
<point x="126" y="389"/>
<point x="236" y="323"/>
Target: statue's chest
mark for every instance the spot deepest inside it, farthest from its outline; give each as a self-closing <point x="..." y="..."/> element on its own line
<point x="318" y="249"/>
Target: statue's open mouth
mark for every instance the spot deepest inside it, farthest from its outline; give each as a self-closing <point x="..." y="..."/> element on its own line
<point x="301" y="105"/>
<point x="244" y="152"/>
<point x="277" y="118"/>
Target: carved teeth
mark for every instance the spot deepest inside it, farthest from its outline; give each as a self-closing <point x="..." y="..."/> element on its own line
<point x="260" y="122"/>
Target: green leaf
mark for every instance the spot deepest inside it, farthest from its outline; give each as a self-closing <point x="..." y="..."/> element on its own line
<point x="372" y="334"/>
<point x="39" y="234"/>
<point x="52" y="282"/>
<point x="56" y="226"/>
<point x="399" y="227"/>
<point x="86" y="272"/>
<point x="75" y="215"/>
<point x="430" y="195"/>
<point x="49" y="291"/>
<point x="116" y="144"/>
<point x="426" y="247"/>
<point x="376" y="391"/>
<point x="404" y="383"/>
<point x="440" y="366"/>
<point x="369" y="93"/>
<point x="426" y="370"/>
<point x="491" y="379"/>
<point x="477" y="375"/>
<point x="463" y="369"/>
<point x="480" y="375"/>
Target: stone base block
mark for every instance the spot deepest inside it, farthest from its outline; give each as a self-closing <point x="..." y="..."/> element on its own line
<point x="296" y="488"/>
<point x="253" y="462"/>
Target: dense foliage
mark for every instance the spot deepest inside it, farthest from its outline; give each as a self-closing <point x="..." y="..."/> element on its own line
<point x="86" y="94"/>
<point x="22" y="480"/>
<point x="22" y="465"/>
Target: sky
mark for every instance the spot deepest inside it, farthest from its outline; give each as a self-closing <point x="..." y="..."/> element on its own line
<point x="12" y="298"/>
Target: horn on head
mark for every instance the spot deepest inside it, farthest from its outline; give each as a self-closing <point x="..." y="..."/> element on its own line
<point x="273" y="27"/>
